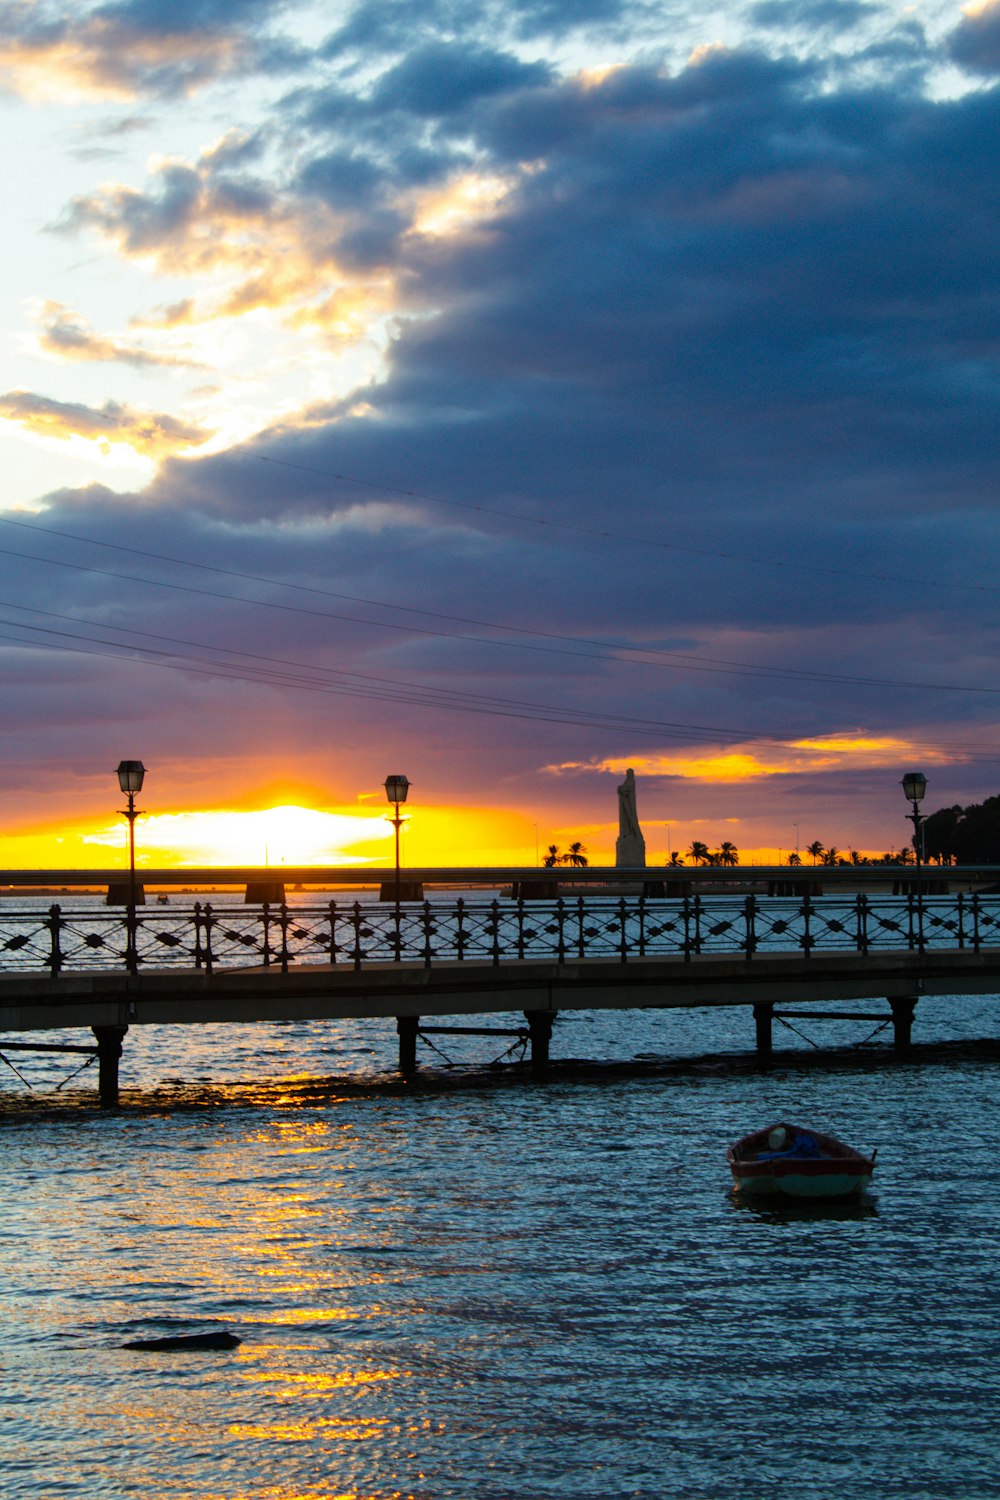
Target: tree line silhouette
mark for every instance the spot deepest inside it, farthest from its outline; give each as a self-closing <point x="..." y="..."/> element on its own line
<point x="951" y="836"/>
<point x="576" y="855"/>
<point x="964" y="835"/>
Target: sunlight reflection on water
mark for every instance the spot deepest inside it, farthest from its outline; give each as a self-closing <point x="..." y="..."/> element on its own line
<point x="485" y="1286"/>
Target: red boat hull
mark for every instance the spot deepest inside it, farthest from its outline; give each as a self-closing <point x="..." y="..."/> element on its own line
<point x="835" y="1171"/>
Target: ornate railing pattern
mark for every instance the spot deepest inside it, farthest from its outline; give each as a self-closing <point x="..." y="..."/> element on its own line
<point x="207" y="937"/>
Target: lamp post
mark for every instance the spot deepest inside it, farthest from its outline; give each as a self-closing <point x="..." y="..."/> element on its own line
<point x="396" y="788"/>
<point x="914" y="787"/>
<point x="130" y="775"/>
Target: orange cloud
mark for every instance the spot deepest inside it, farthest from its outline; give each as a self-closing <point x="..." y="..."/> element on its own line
<point x="153" y="435"/>
<point x="67" y="335"/>
<point x="103" y="57"/>
<point x="752" y="762"/>
<point x="465" y="201"/>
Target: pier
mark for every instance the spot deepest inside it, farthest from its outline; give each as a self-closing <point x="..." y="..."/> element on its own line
<point x="460" y="958"/>
<point x="783" y="947"/>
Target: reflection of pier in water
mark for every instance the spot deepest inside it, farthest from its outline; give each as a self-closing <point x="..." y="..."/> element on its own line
<point x="472" y="954"/>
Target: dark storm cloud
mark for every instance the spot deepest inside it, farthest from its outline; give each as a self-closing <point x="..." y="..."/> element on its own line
<point x="444" y="78"/>
<point x="757" y="287"/>
<point x="342" y="179"/>
<point x="719" y="375"/>
<point x="975" y="42"/>
<point x="838" y="15"/>
<point x="380" y="28"/>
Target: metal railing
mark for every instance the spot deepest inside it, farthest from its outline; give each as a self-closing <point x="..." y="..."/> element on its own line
<point x="206" y="937"/>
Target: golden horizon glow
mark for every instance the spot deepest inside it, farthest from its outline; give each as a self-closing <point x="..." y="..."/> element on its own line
<point x="286" y="834"/>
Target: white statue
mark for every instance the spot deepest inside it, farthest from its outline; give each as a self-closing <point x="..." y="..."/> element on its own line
<point x="630" y="849"/>
<point x="628" y="818"/>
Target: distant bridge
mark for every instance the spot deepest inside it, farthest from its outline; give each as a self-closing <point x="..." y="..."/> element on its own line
<point x="471" y="955"/>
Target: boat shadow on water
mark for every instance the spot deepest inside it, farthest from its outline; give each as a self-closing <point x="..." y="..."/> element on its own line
<point x="786" y="1211"/>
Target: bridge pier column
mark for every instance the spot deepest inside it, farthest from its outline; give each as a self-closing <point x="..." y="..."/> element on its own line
<point x="902" y="1007"/>
<point x="109" y="1051"/>
<point x="407" y="1028"/>
<point x="540" y="1029"/>
<point x="406" y="890"/>
<point x="763" y="1017"/>
<point x="259" y="891"/>
<point x="120" y="893"/>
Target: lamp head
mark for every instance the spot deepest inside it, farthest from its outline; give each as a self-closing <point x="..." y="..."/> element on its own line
<point x="914" y="786"/>
<point x="130" y="774"/>
<point x="396" y="788"/>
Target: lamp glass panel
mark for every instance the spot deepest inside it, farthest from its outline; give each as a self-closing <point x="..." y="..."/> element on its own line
<point x="130" y="774"/>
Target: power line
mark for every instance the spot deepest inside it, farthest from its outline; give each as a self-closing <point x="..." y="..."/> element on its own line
<point x="628" y="652"/>
<point x="352" y="684"/>
<point x="624" y="537"/>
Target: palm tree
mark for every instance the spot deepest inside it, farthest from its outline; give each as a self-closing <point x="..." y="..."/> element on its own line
<point x="794" y="859"/>
<point x="577" y="855"/>
<point x="699" y="852"/>
<point x="830" y="857"/>
<point x="675" y="861"/>
<point x="553" y="857"/>
<point x="728" y="854"/>
<point x="816" y="850"/>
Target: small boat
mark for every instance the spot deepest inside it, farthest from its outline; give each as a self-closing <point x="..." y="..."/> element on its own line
<point x="786" y="1161"/>
<point x="163" y="899"/>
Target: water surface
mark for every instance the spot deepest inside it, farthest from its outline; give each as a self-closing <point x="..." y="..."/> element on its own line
<point x="487" y="1286"/>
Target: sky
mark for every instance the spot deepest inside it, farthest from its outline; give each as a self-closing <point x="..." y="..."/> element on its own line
<point x="501" y="394"/>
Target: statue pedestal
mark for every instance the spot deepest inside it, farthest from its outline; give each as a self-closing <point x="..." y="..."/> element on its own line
<point x="630" y="852"/>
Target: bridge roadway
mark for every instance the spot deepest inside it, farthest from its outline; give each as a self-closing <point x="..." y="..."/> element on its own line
<point x="107" y="971"/>
<point x="412" y="994"/>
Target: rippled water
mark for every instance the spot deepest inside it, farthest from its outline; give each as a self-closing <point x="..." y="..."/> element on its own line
<point x="484" y="1286"/>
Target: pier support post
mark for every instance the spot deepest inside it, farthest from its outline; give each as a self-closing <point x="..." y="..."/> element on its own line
<point x="259" y="891"/>
<point x="903" y="1007"/>
<point x="406" y="890"/>
<point x="109" y="1051"/>
<point x="120" y="893"/>
<point x="540" y="1029"/>
<point x="535" y="890"/>
<point x="763" y="1017"/>
<point x="407" y="1028"/>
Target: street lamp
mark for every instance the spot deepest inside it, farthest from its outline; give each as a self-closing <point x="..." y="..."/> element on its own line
<point x="396" y="788"/>
<point x="130" y="774"/>
<point x="914" y="787"/>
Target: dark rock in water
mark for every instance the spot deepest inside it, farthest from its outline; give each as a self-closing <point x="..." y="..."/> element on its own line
<point x="187" y="1341"/>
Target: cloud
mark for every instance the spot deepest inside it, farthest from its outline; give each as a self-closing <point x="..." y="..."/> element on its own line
<point x="837" y="15"/>
<point x="180" y="223"/>
<point x="150" y="434"/>
<point x="68" y="336"/>
<point x="443" y="78"/>
<point x="125" y="50"/>
<point x="975" y="41"/>
<point x="681" y="451"/>
<point x="751" y="762"/>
